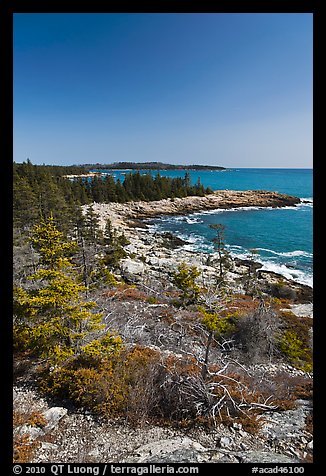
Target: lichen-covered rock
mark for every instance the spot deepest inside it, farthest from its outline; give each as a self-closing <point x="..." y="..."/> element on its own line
<point x="53" y="416"/>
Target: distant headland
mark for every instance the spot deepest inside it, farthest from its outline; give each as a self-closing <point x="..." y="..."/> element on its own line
<point x="149" y="166"/>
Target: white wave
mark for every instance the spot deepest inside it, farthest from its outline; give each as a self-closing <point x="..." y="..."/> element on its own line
<point x="250" y="208"/>
<point x="287" y="253"/>
<point x="193" y="220"/>
<point x="289" y="273"/>
<point x="307" y="199"/>
<point x="153" y="228"/>
<point x="234" y="209"/>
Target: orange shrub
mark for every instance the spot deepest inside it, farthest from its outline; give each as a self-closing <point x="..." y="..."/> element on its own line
<point x="24" y="449"/>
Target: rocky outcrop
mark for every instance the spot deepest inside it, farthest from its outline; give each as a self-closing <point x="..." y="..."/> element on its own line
<point x="278" y="286"/>
<point x="71" y="437"/>
<point x="221" y="199"/>
<point x="186" y="450"/>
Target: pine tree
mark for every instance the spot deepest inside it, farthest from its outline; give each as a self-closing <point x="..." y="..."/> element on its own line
<point x="92" y="231"/>
<point x="219" y="245"/>
<point x="114" y="246"/>
<point x="52" y="319"/>
<point x="25" y="208"/>
<point x="185" y="280"/>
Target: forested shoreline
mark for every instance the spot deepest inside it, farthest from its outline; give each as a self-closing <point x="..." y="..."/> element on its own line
<point x="41" y="189"/>
<point x="150" y="166"/>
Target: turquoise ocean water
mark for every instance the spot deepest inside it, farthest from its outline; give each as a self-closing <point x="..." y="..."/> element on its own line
<point x="283" y="237"/>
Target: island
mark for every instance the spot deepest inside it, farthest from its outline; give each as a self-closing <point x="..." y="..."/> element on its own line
<point x="149" y="166"/>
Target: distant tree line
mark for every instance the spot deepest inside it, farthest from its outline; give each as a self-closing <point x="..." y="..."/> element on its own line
<point x="150" y="166"/>
<point x="39" y="190"/>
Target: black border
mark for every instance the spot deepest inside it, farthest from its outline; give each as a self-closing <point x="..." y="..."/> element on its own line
<point x="7" y="10"/>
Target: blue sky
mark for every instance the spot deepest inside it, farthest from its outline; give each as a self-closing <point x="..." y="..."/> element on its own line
<point x="220" y="89"/>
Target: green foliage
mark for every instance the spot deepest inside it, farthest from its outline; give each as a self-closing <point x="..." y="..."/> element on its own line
<point x="295" y="350"/>
<point x="97" y="389"/>
<point x="103" y="275"/>
<point x="106" y="379"/>
<point x="185" y="280"/>
<point x="295" y="340"/>
<point x="49" y="242"/>
<point x="215" y="323"/>
<point x="102" y="348"/>
<point x="114" y="243"/>
<point x="53" y="318"/>
<point x="90" y="228"/>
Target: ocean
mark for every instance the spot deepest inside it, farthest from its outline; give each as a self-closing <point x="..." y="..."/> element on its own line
<point x="282" y="237"/>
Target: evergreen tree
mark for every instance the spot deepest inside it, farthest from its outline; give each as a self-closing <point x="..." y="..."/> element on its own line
<point x="114" y="246"/>
<point x="185" y="280"/>
<point x="25" y="206"/>
<point x="219" y="245"/>
<point x="92" y="231"/>
<point x="52" y="319"/>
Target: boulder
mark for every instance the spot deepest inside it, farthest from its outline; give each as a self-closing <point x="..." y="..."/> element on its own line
<point x="53" y="416"/>
<point x="132" y="270"/>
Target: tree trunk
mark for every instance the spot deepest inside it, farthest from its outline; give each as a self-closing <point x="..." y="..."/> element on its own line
<point x="205" y="364"/>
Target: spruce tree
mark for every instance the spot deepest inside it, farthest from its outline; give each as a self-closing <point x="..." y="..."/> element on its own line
<point x="223" y="254"/>
<point x="185" y="280"/>
<point x="52" y="319"/>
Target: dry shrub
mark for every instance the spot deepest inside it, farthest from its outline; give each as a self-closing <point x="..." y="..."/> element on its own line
<point x="153" y="385"/>
<point x="309" y="423"/>
<point x="284" y="388"/>
<point x="251" y="423"/>
<point x="142" y="384"/>
<point x="303" y="389"/>
<point x="126" y="293"/>
<point x="24" y="449"/>
<point x="256" y="334"/>
<point x="241" y="304"/>
<point x="32" y="418"/>
<point x="140" y="374"/>
<point x="98" y="389"/>
<point x="167" y="315"/>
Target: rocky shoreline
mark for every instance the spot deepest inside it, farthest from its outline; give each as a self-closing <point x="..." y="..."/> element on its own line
<point x="161" y="253"/>
<point x="221" y="199"/>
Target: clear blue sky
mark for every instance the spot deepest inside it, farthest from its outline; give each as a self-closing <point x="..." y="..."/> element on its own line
<point x="220" y="89"/>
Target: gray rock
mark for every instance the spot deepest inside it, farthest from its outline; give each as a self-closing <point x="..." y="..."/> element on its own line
<point x="53" y="416"/>
<point x="264" y="457"/>
<point x="49" y="446"/>
<point x="32" y="431"/>
<point x="286" y="425"/>
<point x="168" y="450"/>
<point x="132" y="270"/>
<point x="184" y="455"/>
<point x="225" y="442"/>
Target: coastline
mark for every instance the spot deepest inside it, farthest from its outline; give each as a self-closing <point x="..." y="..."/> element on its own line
<point x="156" y="254"/>
<point x="220" y="199"/>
